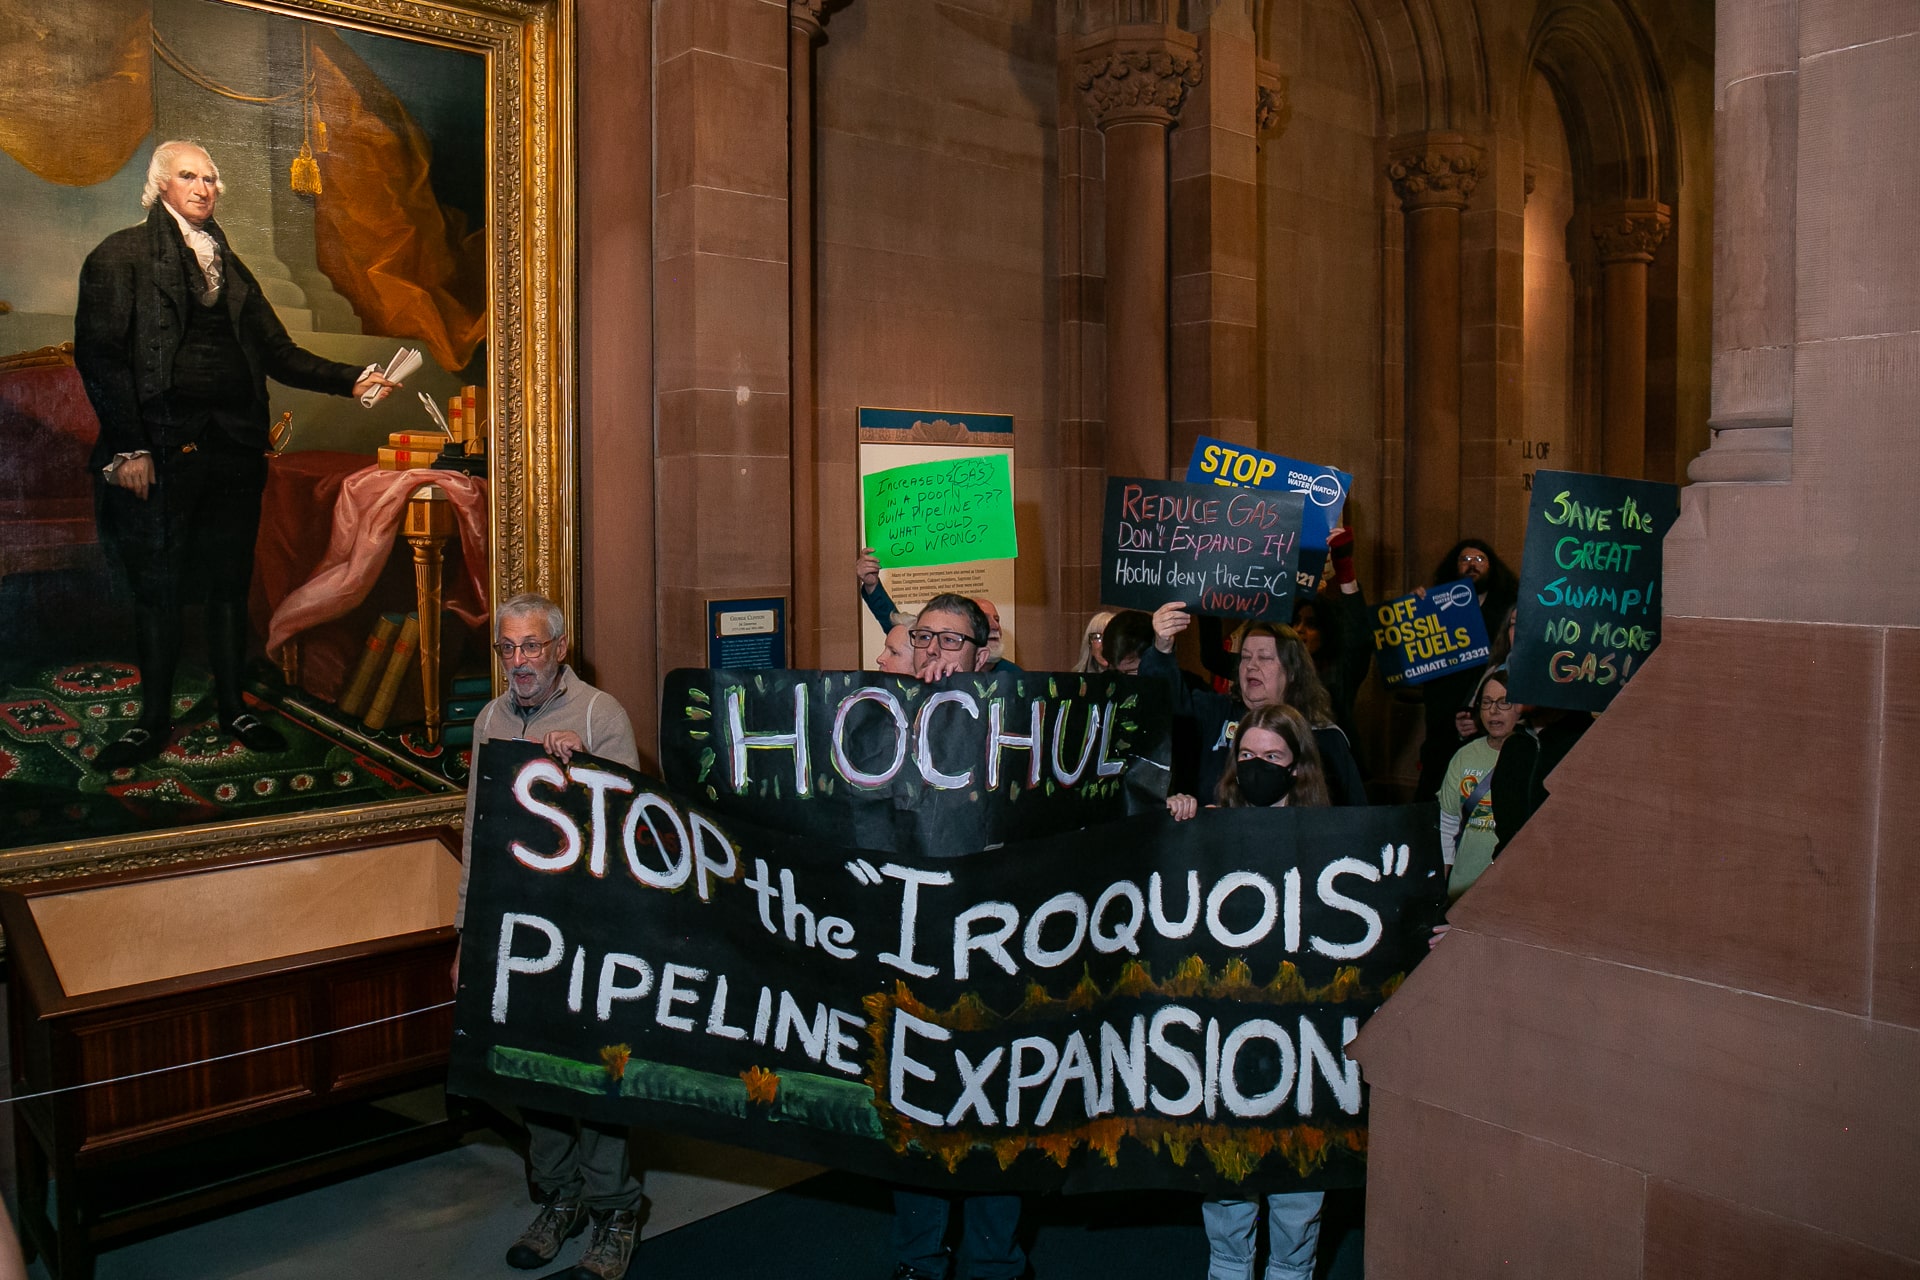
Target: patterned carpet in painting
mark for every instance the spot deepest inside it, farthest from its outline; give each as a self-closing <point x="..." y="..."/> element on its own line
<point x="55" y="719"/>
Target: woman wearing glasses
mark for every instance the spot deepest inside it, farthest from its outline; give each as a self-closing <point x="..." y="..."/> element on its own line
<point x="1092" y="658"/>
<point x="1467" y="833"/>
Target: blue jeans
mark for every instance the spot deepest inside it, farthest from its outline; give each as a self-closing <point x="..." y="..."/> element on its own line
<point x="988" y="1250"/>
<point x="1293" y="1234"/>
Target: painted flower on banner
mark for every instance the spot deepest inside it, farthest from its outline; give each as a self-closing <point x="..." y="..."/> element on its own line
<point x="302" y="782"/>
<point x="97" y="711"/>
<point x="341" y="777"/>
<point x="226" y="793"/>
<point x="130" y="708"/>
<point x="71" y="738"/>
<point x="265" y="786"/>
<point x="614" y="1057"/>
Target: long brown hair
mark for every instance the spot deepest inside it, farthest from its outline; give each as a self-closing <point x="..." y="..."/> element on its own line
<point x="1309" y="776"/>
<point x="1304" y="693"/>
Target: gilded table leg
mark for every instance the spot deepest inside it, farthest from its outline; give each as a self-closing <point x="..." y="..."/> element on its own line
<point x="429" y="524"/>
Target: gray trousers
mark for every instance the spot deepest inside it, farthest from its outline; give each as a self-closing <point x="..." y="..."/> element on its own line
<point x="579" y="1161"/>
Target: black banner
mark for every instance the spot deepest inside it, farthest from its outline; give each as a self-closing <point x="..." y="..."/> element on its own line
<point x="1143" y="1004"/>
<point x="1232" y="553"/>
<point x="886" y="762"/>
<point x="1590" y="592"/>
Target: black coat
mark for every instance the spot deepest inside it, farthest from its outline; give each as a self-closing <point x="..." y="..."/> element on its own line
<point x="132" y="318"/>
<point x="1215" y="715"/>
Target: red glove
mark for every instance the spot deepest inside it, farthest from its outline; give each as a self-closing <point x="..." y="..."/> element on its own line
<point x="1340" y="549"/>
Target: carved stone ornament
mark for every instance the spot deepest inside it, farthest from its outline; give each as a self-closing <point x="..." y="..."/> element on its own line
<point x="1632" y="232"/>
<point x="809" y="16"/>
<point x="1128" y="80"/>
<point x="1435" y="173"/>
<point x="1272" y="107"/>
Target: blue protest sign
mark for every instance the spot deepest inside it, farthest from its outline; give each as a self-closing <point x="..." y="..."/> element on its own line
<point x="1420" y="638"/>
<point x="1325" y="488"/>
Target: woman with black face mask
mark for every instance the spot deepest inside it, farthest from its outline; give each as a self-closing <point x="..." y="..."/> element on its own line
<point x="1274" y="763"/>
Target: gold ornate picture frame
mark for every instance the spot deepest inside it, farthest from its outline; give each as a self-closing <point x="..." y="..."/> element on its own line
<point x="526" y="354"/>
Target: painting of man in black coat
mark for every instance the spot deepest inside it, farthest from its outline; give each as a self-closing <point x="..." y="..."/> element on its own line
<point x="175" y="342"/>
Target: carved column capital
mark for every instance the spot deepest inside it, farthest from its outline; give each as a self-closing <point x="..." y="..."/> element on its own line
<point x="1272" y="105"/>
<point x="1135" y="74"/>
<point x="1436" y="169"/>
<point x="809" y="17"/>
<point x="1631" y="231"/>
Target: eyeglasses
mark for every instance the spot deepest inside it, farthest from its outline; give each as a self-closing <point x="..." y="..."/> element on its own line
<point x="949" y="640"/>
<point x="1496" y="704"/>
<point x="531" y="648"/>
<point x="1472" y="557"/>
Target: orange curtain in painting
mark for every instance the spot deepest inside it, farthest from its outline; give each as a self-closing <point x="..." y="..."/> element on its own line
<point x="409" y="266"/>
<point x="76" y="86"/>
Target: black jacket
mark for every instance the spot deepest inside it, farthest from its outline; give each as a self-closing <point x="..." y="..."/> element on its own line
<point x="1215" y="715"/>
<point x="131" y="321"/>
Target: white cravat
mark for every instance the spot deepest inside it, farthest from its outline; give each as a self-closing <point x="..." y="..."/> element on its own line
<point x="206" y="249"/>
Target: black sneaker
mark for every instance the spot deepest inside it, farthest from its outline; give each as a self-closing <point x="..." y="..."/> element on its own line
<point x="557" y="1222"/>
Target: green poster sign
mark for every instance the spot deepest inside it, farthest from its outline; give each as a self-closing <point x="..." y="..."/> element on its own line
<point x="945" y="512"/>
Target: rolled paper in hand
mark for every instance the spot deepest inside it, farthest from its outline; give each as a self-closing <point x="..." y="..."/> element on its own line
<point x="403" y="365"/>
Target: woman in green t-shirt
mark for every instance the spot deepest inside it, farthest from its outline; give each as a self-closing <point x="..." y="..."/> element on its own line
<point x="1467" y="835"/>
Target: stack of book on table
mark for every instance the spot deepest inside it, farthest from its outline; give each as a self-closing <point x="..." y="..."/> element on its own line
<point x="384" y="690"/>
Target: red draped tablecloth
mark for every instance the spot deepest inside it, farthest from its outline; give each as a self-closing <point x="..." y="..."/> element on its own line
<point x="330" y="561"/>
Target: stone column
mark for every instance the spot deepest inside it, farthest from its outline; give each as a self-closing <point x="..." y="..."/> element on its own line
<point x="1134" y="79"/>
<point x="804" y="31"/>
<point x="1433" y="175"/>
<point x="1756" y="111"/>
<point x="1214" y="244"/>
<point x="721" y="364"/>
<point x="1627" y="234"/>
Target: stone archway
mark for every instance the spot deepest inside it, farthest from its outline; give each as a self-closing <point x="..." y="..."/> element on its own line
<point x="1617" y="108"/>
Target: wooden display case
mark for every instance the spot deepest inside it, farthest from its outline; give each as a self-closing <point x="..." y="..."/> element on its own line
<point x="144" y="970"/>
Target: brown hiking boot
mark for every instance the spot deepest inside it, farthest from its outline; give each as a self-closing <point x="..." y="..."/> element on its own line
<point x="557" y="1222"/>
<point x="610" y="1251"/>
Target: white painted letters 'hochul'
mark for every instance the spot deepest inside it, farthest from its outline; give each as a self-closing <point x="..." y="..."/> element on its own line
<point x="1172" y="1063"/>
<point x="1010" y="727"/>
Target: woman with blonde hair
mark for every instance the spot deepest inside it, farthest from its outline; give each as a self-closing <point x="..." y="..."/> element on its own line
<point x="1091" y="658"/>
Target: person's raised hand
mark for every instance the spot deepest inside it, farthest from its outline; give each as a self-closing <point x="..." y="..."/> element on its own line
<point x="867" y="570"/>
<point x="135" y="474"/>
<point x="948" y="662"/>
<point x="1182" y="807"/>
<point x="562" y="743"/>
<point x="1463" y="723"/>
<point x="1340" y="553"/>
<point x="1169" y="620"/>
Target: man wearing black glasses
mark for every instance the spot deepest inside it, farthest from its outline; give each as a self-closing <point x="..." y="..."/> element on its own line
<point x="949" y="636"/>
<point x="580" y="1169"/>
